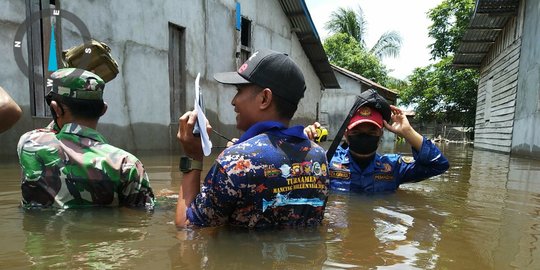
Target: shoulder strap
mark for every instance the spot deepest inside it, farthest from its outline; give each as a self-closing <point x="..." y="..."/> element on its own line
<point x="367" y="98"/>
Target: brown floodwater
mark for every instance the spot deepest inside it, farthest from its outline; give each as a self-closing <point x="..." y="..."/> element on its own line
<point x="484" y="213"/>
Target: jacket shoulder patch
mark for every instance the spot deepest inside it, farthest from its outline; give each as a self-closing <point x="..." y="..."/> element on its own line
<point x="407" y="159"/>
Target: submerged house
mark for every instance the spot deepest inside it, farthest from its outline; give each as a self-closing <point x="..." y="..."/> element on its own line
<point x="502" y="42"/>
<point x="160" y="47"/>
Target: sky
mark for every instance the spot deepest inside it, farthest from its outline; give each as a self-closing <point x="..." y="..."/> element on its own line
<point x="408" y="17"/>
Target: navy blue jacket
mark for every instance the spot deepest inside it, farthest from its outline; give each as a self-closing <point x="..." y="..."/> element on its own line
<point x="272" y="177"/>
<point x="386" y="172"/>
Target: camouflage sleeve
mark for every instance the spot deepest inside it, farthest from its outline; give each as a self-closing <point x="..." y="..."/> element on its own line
<point x="135" y="190"/>
<point x="216" y="201"/>
<point x="35" y="151"/>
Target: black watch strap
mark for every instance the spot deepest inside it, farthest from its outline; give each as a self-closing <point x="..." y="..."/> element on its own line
<point x="188" y="164"/>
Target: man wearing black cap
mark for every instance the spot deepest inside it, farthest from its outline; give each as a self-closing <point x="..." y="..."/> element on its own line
<point x="273" y="176"/>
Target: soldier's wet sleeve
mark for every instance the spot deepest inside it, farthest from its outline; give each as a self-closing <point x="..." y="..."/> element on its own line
<point x="36" y="153"/>
<point x="135" y="187"/>
<point x="34" y="156"/>
<point x="427" y="162"/>
<point x="216" y="201"/>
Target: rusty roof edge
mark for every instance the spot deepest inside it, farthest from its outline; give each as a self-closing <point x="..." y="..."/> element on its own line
<point x="328" y="80"/>
<point x="470" y="28"/>
<point x="362" y="79"/>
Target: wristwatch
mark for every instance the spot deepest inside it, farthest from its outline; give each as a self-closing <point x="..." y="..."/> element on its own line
<point x="188" y="164"/>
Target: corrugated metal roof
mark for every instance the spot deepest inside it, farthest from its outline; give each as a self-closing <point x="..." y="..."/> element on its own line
<point x="487" y="22"/>
<point x="385" y="92"/>
<point x="302" y="25"/>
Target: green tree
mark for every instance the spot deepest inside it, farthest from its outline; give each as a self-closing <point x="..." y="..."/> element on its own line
<point x="396" y="84"/>
<point x="439" y="91"/>
<point x="450" y="20"/>
<point x="344" y="51"/>
<point x="346" y="20"/>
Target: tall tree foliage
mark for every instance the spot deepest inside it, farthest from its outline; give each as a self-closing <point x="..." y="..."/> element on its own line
<point x="348" y="21"/>
<point x="439" y="91"/>
<point x="450" y="20"/>
<point x="347" y="46"/>
<point x="344" y="51"/>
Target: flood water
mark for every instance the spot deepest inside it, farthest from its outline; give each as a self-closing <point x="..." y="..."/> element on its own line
<point x="484" y="213"/>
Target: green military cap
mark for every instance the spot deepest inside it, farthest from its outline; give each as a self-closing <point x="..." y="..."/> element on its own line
<point x="77" y="83"/>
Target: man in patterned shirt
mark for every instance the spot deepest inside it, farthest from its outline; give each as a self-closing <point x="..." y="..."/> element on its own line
<point x="69" y="164"/>
<point x="273" y="176"/>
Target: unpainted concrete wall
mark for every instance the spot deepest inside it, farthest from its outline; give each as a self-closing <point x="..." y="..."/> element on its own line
<point x="139" y="115"/>
<point x="526" y="132"/>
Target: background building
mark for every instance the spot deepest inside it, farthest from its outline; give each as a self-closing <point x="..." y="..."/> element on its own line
<point x="502" y="42"/>
<point x="160" y="47"/>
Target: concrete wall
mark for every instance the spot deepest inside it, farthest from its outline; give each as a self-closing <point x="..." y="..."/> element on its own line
<point x="526" y="135"/>
<point x="336" y="103"/>
<point x="139" y="115"/>
<point x="12" y="14"/>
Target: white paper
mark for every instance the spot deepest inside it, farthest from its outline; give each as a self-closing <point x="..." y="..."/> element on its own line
<point x="201" y="119"/>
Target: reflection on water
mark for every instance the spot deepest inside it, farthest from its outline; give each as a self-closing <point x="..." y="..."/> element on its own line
<point x="227" y="248"/>
<point x="484" y="213"/>
<point x="72" y="239"/>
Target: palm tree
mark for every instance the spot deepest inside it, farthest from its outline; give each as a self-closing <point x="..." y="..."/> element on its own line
<point x="349" y="22"/>
<point x="346" y="20"/>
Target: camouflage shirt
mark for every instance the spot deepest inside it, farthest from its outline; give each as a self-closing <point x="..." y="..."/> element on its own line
<point x="278" y="178"/>
<point x="75" y="167"/>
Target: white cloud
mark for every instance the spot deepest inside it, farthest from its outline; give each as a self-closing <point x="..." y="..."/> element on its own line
<point x="409" y="18"/>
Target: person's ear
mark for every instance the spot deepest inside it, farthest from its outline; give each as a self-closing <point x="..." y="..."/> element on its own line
<point x="58" y="109"/>
<point x="105" y="107"/>
<point x="266" y="98"/>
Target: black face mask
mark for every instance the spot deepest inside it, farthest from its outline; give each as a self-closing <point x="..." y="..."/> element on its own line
<point x="363" y="143"/>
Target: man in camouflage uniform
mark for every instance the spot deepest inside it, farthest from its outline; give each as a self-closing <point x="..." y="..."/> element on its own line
<point x="69" y="164"/>
<point x="273" y="176"/>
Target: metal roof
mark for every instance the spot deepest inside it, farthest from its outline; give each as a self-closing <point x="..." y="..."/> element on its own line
<point x="302" y="25"/>
<point x="486" y="24"/>
<point x="383" y="91"/>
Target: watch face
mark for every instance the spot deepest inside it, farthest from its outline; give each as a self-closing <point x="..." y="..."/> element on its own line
<point x="185" y="164"/>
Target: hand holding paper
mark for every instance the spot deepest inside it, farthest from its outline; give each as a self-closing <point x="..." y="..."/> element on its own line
<point x="201" y="119"/>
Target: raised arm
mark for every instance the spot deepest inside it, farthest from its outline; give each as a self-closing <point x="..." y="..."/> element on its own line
<point x="10" y="112"/>
<point x="191" y="182"/>
<point x="401" y="126"/>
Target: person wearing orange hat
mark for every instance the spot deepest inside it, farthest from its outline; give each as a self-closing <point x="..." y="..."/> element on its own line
<point x="357" y="167"/>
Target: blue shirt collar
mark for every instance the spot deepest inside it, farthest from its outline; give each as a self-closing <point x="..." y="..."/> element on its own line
<point x="272" y="127"/>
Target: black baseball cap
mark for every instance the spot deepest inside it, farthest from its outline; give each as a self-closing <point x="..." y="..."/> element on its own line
<point x="269" y="69"/>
